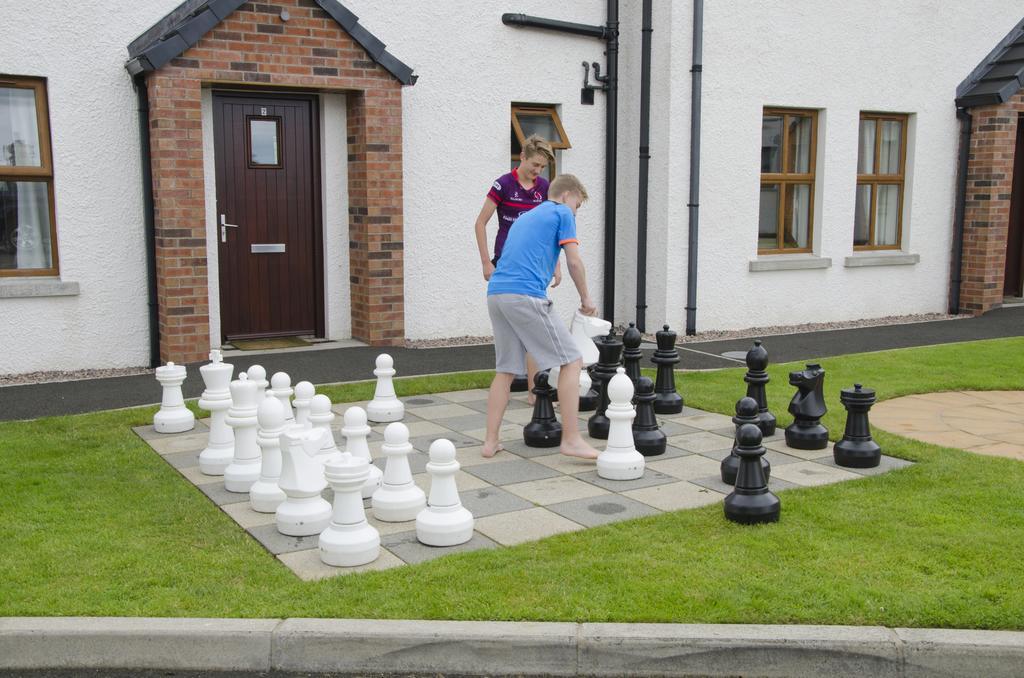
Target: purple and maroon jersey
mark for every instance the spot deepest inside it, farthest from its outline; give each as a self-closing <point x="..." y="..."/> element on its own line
<point x="512" y="200"/>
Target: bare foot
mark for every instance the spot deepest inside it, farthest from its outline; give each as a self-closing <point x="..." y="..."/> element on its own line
<point x="491" y="449"/>
<point x="578" y="449"/>
<point x="531" y="400"/>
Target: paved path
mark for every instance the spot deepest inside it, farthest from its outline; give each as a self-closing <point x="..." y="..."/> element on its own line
<point x="985" y="422"/>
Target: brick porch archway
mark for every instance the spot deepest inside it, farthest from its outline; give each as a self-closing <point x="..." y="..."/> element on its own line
<point x="320" y="47"/>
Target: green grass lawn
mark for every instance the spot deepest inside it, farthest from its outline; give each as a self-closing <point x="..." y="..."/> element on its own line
<point x="93" y="522"/>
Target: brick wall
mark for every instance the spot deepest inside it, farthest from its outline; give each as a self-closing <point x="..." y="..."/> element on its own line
<point x="254" y="47"/>
<point x="987" y="207"/>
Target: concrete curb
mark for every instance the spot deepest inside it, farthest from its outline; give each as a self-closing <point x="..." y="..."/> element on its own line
<point x="343" y="646"/>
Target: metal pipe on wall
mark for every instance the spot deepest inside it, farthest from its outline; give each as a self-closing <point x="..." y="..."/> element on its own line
<point x="955" y="276"/>
<point x="611" y="156"/>
<point x="645" y="157"/>
<point x="694" y="204"/>
<point x="142" y="94"/>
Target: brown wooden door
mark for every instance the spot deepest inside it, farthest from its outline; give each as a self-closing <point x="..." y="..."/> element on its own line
<point x="268" y="197"/>
<point x="1013" y="277"/>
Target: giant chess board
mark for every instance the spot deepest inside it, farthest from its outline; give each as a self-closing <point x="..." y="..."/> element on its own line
<point x="523" y="493"/>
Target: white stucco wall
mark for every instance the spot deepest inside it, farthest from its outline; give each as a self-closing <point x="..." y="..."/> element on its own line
<point x="97" y="187"/>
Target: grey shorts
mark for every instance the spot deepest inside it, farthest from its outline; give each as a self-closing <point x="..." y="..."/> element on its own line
<point x="524" y="324"/>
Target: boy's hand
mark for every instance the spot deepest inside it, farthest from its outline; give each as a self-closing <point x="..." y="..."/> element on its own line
<point x="558" y="277"/>
<point x="587" y="306"/>
<point x="488" y="270"/>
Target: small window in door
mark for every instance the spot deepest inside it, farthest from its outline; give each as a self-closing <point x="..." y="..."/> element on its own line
<point x="264" y="141"/>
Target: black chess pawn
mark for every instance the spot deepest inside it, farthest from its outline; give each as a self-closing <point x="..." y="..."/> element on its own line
<point x="520" y="383"/>
<point x="589" y="401"/>
<point x="667" y="400"/>
<point x="757" y="378"/>
<point x="746" y="413"/>
<point x="631" y="353"/>
<point x="857" y="449"/>
<point x="543" y="430"/>
<point x="807" y="408"/>
<point x="648" y="438"/>
<point x="751" y="501"/>
<point x="610" y="351"/>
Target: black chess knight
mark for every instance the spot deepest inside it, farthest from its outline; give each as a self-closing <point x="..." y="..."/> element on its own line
<point x="807" y="408"/>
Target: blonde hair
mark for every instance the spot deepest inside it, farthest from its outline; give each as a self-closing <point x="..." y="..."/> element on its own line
<point x="567" y="183"/>
<point x="535" y="145"/>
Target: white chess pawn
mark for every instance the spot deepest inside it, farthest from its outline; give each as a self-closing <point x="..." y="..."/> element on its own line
<point x="304" y="393"/>
<point x="304" y="512"/>
<point x="281" y="388"/>
<point x="385" y="405"/>
<point x="349" y="540"/>
<point x="173" y="416"/>
<point x="620" y="459"/>
<point x="258" y="375"/>
<point x="244" y="469"/>
<point x="398" y="499"/>
<point x="265" y="494"/>
<point x="445" y="521"/>
<point x="356" y="433"/>
<point x="220" y="447"/>
<point x="321" y="417"/>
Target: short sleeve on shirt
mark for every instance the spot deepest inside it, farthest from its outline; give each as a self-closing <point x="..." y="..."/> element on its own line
<point x="566" y="226"/>
<point x="497" y="192"/>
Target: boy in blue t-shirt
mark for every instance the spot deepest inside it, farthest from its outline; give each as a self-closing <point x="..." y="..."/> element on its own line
<point x="522" y="314"/>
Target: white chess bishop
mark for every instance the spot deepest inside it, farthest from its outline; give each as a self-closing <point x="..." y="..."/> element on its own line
<point x="216" y="399"/>
<point x="281" y="388"/>
<point x="445" y="521"/>
<point x="398" y="499"/>
<point x="321" y="417"/>
<point x="258" y="375"/>
<point x="304" y="393"/>
<point x="349" y="540"/>
<point x="244" y="469"/>
<point x="356" y="433"/>
<point x="385" y="405"/>
<point x="173" y="416"/>
<point x="265" y="495"/>
<point x="304" y="512"/>
<point x="620" y="459"/>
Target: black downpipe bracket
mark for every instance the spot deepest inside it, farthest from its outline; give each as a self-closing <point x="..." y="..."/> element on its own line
<point x="645" y="157"/>
<point x="142" y="92"/>
<point x="694" y="204"/>
<point x="955" y="277"/>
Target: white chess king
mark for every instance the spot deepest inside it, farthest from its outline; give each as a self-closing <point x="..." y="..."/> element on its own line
<point x="620" y="459"/>
<point x="216" y="399"/>
<point x="173" y="416"/>
<point x="385" y="405"/>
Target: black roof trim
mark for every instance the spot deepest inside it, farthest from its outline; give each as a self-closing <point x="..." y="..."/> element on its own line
<point x="999" y="76"/>
<point x="185" y="25"/>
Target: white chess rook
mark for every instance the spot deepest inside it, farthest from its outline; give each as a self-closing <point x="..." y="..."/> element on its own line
<point x="304" y="512"/>
<point x="244" y="469"/>
<point x="265" y="494"/>
<point x="304" y="393"/>
<point x="321" y="417"/>
<point x="173" y="416"/>
<point x="216" y="399"/>
<point x="385" y="405"/>
<point x="620" y="459"/>
<point x="356" y="433"/>
<point x="281" y="388"/>
<point x="398" y="499"/>
<point x="349" y="540"/>
<point x="258" y="375"/>
<point x="445" y="521"/>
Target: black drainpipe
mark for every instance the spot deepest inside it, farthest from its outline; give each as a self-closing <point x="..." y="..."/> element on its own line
<point x="142" y="92"/>
<point x="964" y="116"/>
<point x="610" y="34"/>
<point x="645" y="156"/>
<point x="694" y="204"/>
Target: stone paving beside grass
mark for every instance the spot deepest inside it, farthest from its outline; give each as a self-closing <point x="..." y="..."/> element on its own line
<point x="523" y="493"/>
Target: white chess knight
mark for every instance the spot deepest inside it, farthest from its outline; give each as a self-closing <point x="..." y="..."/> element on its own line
<point x="216" y="399"/>
<point x="385" y="405"/>
<point x="258" y="375"/>
<point x="244" y="469"/>
<point x="173" y="416"/>
<point x="445" y="521"/>
<point x="349" y="540"/>
<point x="620" y="459"/>
<point x="356" y="433"/>
<point x="304" y="393"/>
<point x="281" y="388"/>
<point x="321" y="417"/>
<point x="265" y="495"/>
<point x="583" y="329"/>
<point x="304" y="512"/>
<point x="398" y="499"/>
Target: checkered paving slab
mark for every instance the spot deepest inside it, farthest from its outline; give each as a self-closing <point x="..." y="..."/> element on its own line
<point x="522" y="494"/>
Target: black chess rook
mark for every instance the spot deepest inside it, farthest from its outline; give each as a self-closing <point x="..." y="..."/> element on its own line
<point x="857" y="449"/>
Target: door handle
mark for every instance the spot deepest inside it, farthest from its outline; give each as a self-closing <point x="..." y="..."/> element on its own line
<point x="224" y="226"/>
